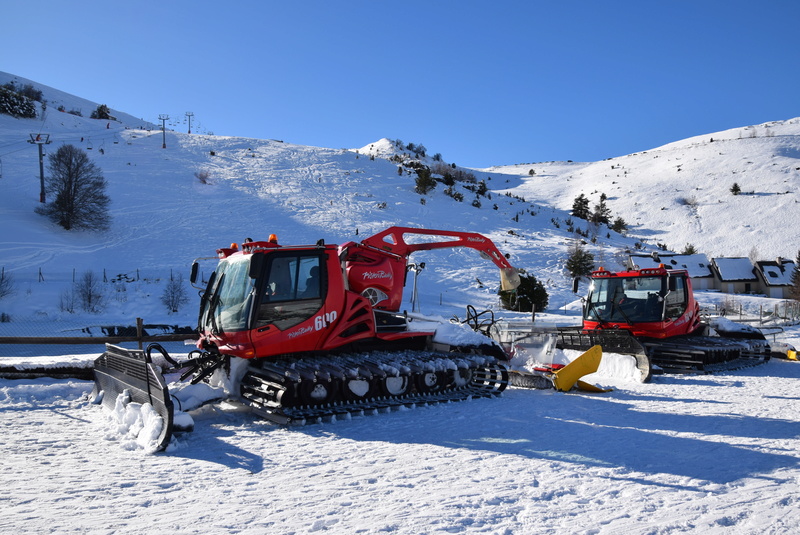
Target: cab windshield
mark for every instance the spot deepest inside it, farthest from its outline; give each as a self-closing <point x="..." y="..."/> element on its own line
<point x="227" y="300"/>
<point x="626" y="300"/>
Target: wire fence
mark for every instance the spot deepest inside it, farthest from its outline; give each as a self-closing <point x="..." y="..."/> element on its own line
<point x="783" y="313"/>
<point x="65" y="307"/>
<point x="107" y="275"/>
<point x="72" y="337"/>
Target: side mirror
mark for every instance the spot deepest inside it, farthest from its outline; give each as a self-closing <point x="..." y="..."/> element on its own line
<point x="673" y="284"/>
<point x="257" y="261"/>
<point x="195" y="269"/>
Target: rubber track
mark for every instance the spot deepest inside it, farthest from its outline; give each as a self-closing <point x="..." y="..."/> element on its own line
<point x="702" y="354"/>
<point x="265" y="387"/>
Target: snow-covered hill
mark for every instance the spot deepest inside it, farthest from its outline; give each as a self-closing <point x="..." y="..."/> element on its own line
<point x="164" y="216"/>
<point x="680" y="194"/>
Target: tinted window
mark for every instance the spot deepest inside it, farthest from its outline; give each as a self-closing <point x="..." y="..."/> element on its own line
<point x="292" y="291"/>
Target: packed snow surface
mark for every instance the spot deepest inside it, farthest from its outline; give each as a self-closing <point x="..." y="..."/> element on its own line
<point x="705" y="454"/>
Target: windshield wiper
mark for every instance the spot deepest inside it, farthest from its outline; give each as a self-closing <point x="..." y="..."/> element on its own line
<point x="213" y="302"/>
<point x="204" y="300"/>
<point x="593" y="308"/>
<point x="616" y="305"/>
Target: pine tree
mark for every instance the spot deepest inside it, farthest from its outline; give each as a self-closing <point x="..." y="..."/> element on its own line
<point x="735" y="189"/>
<point x="602" y="213"/>
<point x="15" y="104"/>
<point x="580" y="262"/>
<point x="580" y="207"/>
<point x="529" y="296"/>
<point x="424" y="181"/>
<point x="619" y="226"/>
<point x="102" y="112"/>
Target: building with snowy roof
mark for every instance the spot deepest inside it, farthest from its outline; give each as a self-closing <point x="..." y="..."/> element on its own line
<point x="735" y="275"/>
<point x="775" y="277"/>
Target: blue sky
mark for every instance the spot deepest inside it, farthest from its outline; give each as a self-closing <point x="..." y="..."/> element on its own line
<point x="482" y="83"/>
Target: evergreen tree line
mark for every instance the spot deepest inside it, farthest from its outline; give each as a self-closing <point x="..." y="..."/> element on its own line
<point x="16" y="104"/>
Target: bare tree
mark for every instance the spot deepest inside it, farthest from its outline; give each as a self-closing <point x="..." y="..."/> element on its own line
<point x="89" y="292"/>
<point x="6" y="284"/>
<point x="66" y="302"/>
<point x="753" y="255"/>
<point x="174" y="295"/>
<point x="78" y="190"/>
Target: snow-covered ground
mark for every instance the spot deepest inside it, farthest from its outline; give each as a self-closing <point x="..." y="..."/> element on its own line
<point x="682" y="454"/>
<point x="706" y="454"/>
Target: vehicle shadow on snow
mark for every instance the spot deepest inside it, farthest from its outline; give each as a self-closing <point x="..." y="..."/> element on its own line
<point x="214" y="440"/>
<point x="586" y="431"/>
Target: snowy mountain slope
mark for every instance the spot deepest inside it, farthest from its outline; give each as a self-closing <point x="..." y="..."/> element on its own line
<point x="73" y="104"/>
<point x="680" y="193"/>
<point x="163" y="216"/>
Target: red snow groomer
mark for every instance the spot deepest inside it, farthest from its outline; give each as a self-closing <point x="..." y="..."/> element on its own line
<point x="320" y="333"/>
<point x="653" y="315"/>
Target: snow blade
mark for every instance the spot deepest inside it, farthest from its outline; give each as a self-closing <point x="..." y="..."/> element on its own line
<point x="565" y="378"/>
<point x="612" y="341"/>
<point x="119" y="369"/>
<point x="588" y="387"/>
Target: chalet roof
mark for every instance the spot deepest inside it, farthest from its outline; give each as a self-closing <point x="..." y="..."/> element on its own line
<point x="696" y="264"/>
<point x="734" y="269"/>
<point x="776" y="272"/>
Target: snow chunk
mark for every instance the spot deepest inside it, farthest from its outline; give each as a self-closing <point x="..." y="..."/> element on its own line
<point x="187" y="396"/>
<point x="446" y="332"/>
<point x="137" y="425"/>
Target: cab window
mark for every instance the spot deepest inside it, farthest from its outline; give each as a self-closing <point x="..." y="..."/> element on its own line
<point x="292" y="289"/>
<point x="676" y="299"/>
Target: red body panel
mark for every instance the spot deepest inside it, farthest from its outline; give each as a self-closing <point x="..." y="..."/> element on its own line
<point x="378" y="270"/>
<point x="359" y="280"/>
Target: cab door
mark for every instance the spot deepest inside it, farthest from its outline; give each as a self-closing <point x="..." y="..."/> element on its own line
<point x="290" y="299"/>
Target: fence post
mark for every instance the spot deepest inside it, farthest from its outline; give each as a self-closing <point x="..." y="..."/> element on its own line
<point x="139" y="331"/>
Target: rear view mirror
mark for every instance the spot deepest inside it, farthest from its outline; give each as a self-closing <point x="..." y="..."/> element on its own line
<point x="257" y="264"/>
<point x="195" y="269"/>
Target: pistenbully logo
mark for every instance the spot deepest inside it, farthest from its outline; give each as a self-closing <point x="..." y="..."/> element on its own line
<point x="373" y="275"/>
